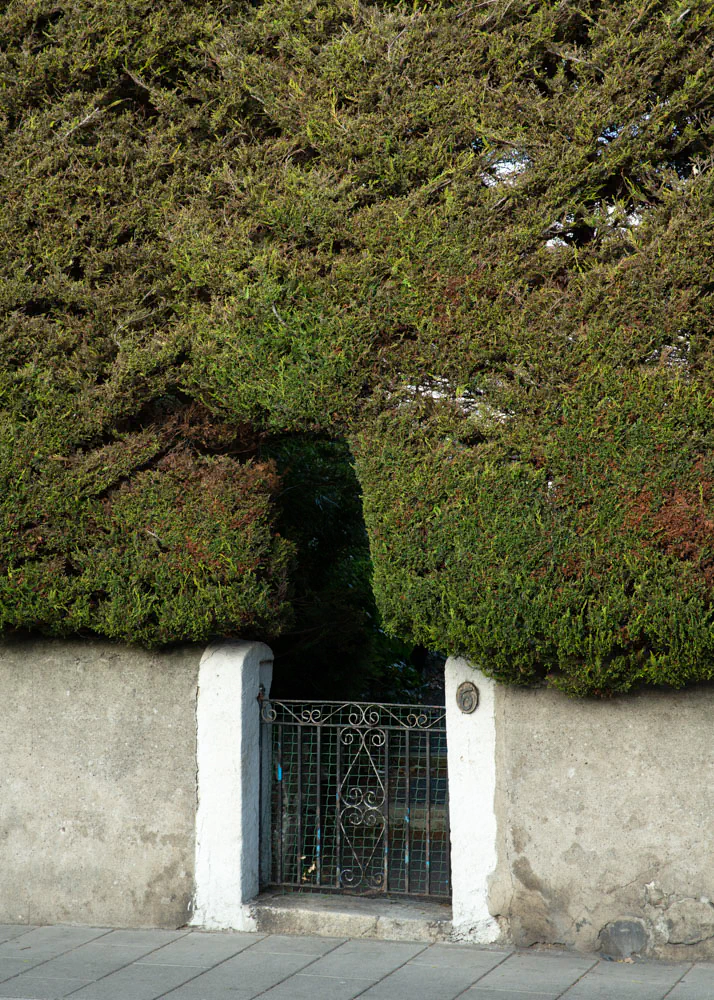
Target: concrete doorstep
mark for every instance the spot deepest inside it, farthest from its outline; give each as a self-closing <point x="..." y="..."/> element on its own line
<point x="352" y="916"/>
<point x="48" y="963"/>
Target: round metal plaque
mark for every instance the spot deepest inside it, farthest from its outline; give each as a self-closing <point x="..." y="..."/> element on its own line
<point x="467" y="697"/>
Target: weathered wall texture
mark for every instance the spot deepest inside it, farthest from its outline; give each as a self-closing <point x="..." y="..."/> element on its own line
<point x="97" y="783"/>
<point x="606" y="814"/>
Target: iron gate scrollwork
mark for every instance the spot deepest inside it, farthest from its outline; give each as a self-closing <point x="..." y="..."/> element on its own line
<point x="358" y="797"/>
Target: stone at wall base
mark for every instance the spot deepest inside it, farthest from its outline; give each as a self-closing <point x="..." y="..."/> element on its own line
<point x="623" y="938"/>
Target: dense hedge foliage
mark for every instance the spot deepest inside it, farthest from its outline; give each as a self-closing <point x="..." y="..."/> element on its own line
<point x="473" y="238"/>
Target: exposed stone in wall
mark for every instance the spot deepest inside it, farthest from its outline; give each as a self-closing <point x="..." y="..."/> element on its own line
<point x="623" y="938"/>
<point x="679" y="922"/>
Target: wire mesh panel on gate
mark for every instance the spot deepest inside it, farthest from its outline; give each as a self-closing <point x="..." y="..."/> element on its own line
<point x="359" y="798"/>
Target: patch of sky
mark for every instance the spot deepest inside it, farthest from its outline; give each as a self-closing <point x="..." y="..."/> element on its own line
<point x="506" y="169"/>
<point x="609" y="134"/>
<point x="468" y="400"/>
<point x="613" y="131"/>
<point x="437" y="388"/>
<point x="619" y="218"/>
<point x="560" y="227"/>
<point x="674" y="356"/>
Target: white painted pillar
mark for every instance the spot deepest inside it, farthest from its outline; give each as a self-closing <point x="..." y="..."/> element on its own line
<point x="228" y="774"/>
<point x="471" y="741"/>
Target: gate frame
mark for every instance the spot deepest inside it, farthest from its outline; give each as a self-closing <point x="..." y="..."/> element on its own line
<point x="228" y="848"/>
<point x="230" y="677"/>
<point x="471" y="756"/>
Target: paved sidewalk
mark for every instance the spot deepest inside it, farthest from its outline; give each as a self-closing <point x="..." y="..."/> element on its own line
<point x="44" y="963"/>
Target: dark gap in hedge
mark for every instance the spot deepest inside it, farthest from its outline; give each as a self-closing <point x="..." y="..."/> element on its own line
<point x="335" y="647"/>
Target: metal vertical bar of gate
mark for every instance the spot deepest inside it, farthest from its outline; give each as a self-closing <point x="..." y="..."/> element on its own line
<point x="427" y="838"/>
<point x="386" y="812"/>
<point x="318" y="809"/>
<point x="281" y="800"/>
<point x="359" y="796"/>
<point x="335" y="809"/>
<point x="407" y="813"/>
<point x="298" y="771"/>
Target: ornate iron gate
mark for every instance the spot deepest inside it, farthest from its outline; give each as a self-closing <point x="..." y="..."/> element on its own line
<point x="358" y="797"/>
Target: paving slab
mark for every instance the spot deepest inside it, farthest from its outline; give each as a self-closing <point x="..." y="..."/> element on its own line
<point x="285" y="944"/>
<point x="640" y="981"/>
<point x="44" y="943"/>
<point x="462" y="956"/>
<point x="136" y="982"/>
<point x="591" y="990"/>
<point x="478" y="993"/>
<point x="423" y="982"/>
<point x="90" y="961"/>
<point x="207" y="991"/>
<point x="39" y="988"/>
<point x="39" y="946"/>
<point x="200" y="950"/>
<point x="697" y="984"/>
<point x="440" y="972"/>
<point x="244" y="976"/>
<point x="10" y="931"/>
<point x="303" y="986"/>
<point x="365" y="959"/>
<point x="537" y="972"/>
<point x="10" y="968"/>
<point x="148" y="939"/>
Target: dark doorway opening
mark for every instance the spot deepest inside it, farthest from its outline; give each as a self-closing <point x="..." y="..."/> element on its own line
<point x="335" y="646"/>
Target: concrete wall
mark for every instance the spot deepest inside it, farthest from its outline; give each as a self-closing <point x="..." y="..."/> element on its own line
<point x="129" y="796"/>
<point x="97" y="784"/>
<point x="605" y="816"/>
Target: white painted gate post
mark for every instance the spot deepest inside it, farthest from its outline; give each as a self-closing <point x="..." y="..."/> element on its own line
<point x="471" y="751"/>
<point x="228" y="774"/>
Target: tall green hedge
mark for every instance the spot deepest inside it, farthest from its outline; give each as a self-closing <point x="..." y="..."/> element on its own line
<point x="473" y="238"/>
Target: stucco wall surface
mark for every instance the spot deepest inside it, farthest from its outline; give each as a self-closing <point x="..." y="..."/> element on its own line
<point x="97" y="783"/>
<point x="606" y="821"/>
